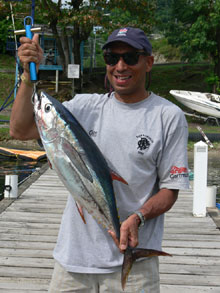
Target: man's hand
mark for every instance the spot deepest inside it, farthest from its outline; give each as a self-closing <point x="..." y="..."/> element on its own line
<point x="155" y="206"/>
<point x="30" y="51"/>
<point x="128" y="233"/>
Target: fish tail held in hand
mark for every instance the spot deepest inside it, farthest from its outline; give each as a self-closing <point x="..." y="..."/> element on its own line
<point x="131" y="254"/>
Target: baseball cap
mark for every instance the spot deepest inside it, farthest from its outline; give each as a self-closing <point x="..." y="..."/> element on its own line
<point x="134" y="37"/>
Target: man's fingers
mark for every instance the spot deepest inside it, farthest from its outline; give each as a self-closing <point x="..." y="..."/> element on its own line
<point x="36" y="38"/>
<point x="133" y="238"/>
<point x="24" y="40"/>
<point x="113" y="235"/>
<point x="129" y="233"/>
<point x="124" y="237"/>
<point x="30" y="51"/>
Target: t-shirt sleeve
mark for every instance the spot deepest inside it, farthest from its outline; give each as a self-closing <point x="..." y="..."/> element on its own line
<point x="173" y="161"/>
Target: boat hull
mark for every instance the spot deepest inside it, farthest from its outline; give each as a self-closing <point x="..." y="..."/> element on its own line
<point x="198" y="102"/>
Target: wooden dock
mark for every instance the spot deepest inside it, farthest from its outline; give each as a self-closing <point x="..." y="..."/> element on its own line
<point x="29" y="227"/>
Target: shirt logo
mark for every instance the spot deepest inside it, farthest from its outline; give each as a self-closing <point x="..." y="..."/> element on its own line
<point x="92" y="133"/>
<point x="178" y="172"/>
<point x="144" y="142"/>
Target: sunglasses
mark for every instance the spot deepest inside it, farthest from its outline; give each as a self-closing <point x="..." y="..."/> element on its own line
<point x="130" y="58"/>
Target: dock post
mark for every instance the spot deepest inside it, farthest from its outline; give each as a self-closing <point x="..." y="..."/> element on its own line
<point x="11" y="186"/>
<point x="200" y="179"/>
<point x="211" y="196"/>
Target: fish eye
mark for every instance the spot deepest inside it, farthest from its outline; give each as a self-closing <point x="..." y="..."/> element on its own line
<point x="47" y="108"/>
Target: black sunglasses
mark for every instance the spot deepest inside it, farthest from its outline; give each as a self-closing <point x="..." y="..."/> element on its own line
<point x="130" y="58"/>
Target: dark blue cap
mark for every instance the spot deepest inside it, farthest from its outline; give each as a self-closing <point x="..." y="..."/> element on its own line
<point x="134" y="37"/>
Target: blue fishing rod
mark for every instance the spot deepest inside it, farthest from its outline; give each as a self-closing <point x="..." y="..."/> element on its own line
<point x="28" y="31"/>
<point x="29" y="34"/>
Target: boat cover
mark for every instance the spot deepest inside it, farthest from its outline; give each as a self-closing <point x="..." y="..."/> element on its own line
<point x="28" y="155"/>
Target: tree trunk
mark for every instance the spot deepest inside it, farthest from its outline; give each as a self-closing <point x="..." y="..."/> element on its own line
<point x="66" y="50"/>
<point x="77" y="59"/>
<point x="217" y="63"/>
<point x="53" y="26"/>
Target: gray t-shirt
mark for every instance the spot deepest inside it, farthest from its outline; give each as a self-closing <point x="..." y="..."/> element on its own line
<point x="144" y="142"/>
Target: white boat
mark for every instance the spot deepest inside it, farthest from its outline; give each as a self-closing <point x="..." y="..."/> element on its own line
<point x="204" y="103"/>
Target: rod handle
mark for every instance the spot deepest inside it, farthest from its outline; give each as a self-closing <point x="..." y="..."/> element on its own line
<point x="32" y="65"/>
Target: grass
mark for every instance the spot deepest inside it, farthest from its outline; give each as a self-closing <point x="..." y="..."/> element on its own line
<point x="216" y="146"/>
<point x="7" y="79"/>
<point x="179" y="77"/>
<point x="7" y="61"/>
<point x="6" y="86"/>
<point x="4" y="134"/>
<point x="4" y="117"/>
<point x="205" y="127"/>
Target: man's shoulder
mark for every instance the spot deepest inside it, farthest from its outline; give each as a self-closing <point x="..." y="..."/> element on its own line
<point x="169" y="112"/>
<point x="165" y="104"/>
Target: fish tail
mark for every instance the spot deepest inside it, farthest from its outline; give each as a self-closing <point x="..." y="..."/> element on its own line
<point x="131" y="254"/>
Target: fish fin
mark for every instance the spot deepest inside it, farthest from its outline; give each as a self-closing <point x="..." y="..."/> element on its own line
<point x="131" y="254"/>
<point x="80" y="210"/>
<point x="116" y="176"/>
<point x="76" y="159"/>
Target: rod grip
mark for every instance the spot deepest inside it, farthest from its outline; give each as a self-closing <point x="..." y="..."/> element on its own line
<point x="32" y="65"/>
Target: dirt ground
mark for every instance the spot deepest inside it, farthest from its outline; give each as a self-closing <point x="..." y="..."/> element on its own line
<point x="18" y="144"/>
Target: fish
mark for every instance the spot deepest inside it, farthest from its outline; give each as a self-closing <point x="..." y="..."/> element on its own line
<point x="83" y="169"/>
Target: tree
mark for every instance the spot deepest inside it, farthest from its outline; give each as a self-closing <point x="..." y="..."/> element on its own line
<point x="5" y="22"/>
<point x="163" y="13"/>
<point x="19" y="10"/>
<point x="195" y="28"/>
<point x="77" y="18"/>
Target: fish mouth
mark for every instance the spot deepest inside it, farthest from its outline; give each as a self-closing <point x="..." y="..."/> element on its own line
<point x="36" y="101"/>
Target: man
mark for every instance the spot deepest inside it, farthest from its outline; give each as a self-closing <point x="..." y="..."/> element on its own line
<point x="142" y="136"/>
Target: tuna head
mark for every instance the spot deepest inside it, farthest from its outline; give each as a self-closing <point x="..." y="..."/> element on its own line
<point x="46" y="118"/>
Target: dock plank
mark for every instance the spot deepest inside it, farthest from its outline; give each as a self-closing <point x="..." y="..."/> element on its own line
<point x="24" y="285"/>
<point x="29" y="228"/>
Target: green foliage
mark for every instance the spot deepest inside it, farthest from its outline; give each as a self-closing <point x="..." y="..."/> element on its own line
<point x="20" y="10"/>
<point x="162" y="47"/>
<point x="163" y="13"/>
<point x="4" y="24"/>
<point x="213" y="81"/>
<point x="3" y="34"/>
<point x="194" y="26"/>
<point x="128" y="13"/>
<point x="178" y="77"/>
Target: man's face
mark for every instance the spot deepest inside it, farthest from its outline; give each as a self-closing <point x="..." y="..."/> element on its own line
<point x="128" y="81"/>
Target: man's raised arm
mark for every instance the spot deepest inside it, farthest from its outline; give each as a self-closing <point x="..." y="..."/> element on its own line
<point x="22" y="124"/>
